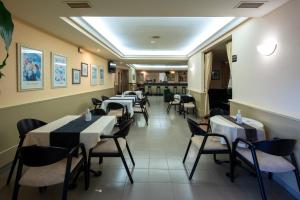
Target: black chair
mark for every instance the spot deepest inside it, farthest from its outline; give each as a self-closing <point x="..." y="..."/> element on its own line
<point x="98" y="112"/>
<point x="158" y="90"/>
<point x="118" y="110"/>
<point x="96" y="102"/>
<point x="104" y="98"/>
<point x="175" y="101"/>
<point x="186" y="103"/>
<point x="59" y="163"/>
<point x="113" y="146"/>
<point x="24" y="126"/>
<point x="131" y="93"/>
<point x="267" y="156"/>
<point x="206" y="145"/>
<point x="175" y="89"/>
<point x="141" y="109"/>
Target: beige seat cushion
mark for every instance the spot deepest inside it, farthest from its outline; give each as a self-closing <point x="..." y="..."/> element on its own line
<point x="117" y="113"/>
<point x="211" y="143"/>
<point x="137" y="109"/>
<point x="109" y="146"/>
<point x="189" y="105"/>
<point x="47" y="175"/>
<point x="268" y="162"/>
<point x="175" y="102"/>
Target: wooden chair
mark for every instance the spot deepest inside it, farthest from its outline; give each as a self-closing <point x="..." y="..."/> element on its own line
<point x="267" y="156"/>
<point x="49" y="166"/>
<point x="113" y="146"/>
<point x="205" y="143"/>
<point x="24" y="126"/>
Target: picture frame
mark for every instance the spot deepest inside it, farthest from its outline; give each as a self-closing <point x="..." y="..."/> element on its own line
<point x="84" y="69"/>
<point x="94" y="74"/>
<point x="30" y="68"/>
<point x="76" y="78"/>
<point x="101" y="75"/>
<point x="215" y="74"/>
<point x="59" y="70"/>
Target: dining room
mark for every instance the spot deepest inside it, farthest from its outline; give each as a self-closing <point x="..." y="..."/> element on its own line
<point x="114" y="100"/>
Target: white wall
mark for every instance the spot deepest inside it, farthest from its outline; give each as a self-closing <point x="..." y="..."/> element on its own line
<point x="132" y="75"/>
<point x="196" y="72"/>
<point x="271" y="82"/>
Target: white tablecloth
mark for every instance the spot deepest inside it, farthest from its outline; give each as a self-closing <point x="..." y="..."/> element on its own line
<point x="138" y="93"/>
<point x="128" y="103"/>
<point x="132" y="98"/>
<point x="232" y="131"/>
<point x="89" y="136"/>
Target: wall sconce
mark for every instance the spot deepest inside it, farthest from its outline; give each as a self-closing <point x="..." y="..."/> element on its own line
<point x="267" y="48"/>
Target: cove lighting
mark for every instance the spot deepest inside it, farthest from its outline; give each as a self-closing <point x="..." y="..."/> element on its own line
<point x="267" y="48"/>
<point x="115" y="30"/>
<point x="160" y="67"/>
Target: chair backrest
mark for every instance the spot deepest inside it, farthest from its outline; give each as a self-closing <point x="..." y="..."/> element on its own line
<point x="278" y="147"/>
<point x="131" y="93"/>
<point x="114" y="106"/>
<point x="98" y="112"/>
<point x="26" y="125"/>
<point x="124" y="129"/>
<point x="217" y="111"/>
<point x="194" y="128"/>
<point x="185" y="99"/>
<point x="37" y="156"/>
<point x="104" y="98"/>
<point x="96" y="102"/>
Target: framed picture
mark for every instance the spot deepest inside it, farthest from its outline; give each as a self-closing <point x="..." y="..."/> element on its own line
<point x="94" y="74"/>
<point x="84" y="69"/>
<point x="30" y="68"/>
<point x="76" y="76"/>
<point x="215" y="74"/>
<point x="59" y="70"/>
<point x="101" y="73"/>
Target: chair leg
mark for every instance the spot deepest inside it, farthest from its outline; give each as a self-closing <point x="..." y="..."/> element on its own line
<point x="232" y="165"/>
<point x="270" y="175"/>
<point x="16" y="191"/>
<point x="259" y="177"/>
<point x="126" y="167"/>
<point x="12" y="168"/>
<point x="100" y="160"/>
<point x="130" y="155"/>
<point x="195" y="164"/>
<point x="168" y="108"/>
<point x="146" y="118"/>
<point x="187" y="151"/>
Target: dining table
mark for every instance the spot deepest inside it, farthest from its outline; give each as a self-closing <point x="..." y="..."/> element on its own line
<point x="128" y="102"/>
<point x="71" y="129"/>
<point x="249" y="129"/>
<point x="137" y="92"/>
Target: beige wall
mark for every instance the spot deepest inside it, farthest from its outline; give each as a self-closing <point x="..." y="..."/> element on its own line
<point x="47" y="104"/>
<point x="35" y="38"/>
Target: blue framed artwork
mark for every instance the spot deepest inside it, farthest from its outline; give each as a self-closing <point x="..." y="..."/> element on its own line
<point x="76" y="78"/>
<point x="30" y="68"/>
<point x="84" y="69"/>
<point x="94" y="74"/>
<point x="59" y="70"/>
<point x="101" y="73"/>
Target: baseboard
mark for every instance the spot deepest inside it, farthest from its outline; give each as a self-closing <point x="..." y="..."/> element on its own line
<point x="7" y="155"/>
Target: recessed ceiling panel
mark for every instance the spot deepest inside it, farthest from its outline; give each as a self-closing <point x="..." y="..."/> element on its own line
<point x="177" y="36"/>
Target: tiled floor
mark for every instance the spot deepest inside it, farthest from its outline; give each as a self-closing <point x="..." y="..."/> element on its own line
<point x="159" y="174"/>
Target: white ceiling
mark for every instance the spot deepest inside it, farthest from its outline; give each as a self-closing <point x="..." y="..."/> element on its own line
<point x="45" y="14"/>
<point x="149" y="67"/>
<point x="132" y="36"/>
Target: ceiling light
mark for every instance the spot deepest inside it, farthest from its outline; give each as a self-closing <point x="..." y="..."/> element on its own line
<point x="160" y="67"/>
<point x="267" y="48"/>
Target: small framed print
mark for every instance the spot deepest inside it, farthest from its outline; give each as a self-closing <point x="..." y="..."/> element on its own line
<point x="101" y="73"/>
<point x="30" y="68"/>
<point x="94" y="74"/>
<point x="76" y="76"/>
<point x="84" y="69"/>
<point x="59" y="70"/>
